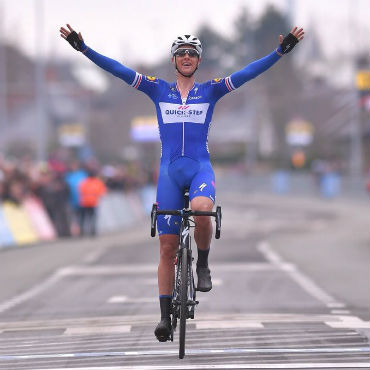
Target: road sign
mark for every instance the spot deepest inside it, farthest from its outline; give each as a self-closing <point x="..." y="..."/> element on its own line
<point x="299" y="132"/>
<point x="363" y="80"/>
<point x="144" y="128"/>
<point x="71" y="134"/>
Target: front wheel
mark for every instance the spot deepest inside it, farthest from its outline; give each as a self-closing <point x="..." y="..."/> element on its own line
<point x="183" y="300"/>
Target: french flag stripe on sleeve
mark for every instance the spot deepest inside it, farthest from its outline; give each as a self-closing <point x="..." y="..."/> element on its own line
<point x="229" y="84"/>
<point x="137" y="80"/>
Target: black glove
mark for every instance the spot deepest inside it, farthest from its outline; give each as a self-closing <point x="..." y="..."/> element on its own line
<point x="75" y="41"/>
<point x="288" y="43"/>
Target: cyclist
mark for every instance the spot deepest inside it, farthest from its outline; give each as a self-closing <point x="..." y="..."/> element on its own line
<point x="184" y="112"/>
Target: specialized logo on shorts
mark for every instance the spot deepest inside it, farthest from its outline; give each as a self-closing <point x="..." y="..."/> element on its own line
<point x="172" y="113"/>
<point x="168" y="218"/>
<point x="201" y="187"/>
<point x="151" y="79"/>
<point x="216" y="81"/>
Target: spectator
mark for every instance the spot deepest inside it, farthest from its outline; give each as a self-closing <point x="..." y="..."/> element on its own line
<point x="73" y="178"/>
<point x="91" y="190"/>
<point x="53" y="191"/>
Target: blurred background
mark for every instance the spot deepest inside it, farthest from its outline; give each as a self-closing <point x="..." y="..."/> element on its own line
<point x="303" y="126"/>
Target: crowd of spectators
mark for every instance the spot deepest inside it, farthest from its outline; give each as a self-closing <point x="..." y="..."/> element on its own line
<point x="54" y="183"/>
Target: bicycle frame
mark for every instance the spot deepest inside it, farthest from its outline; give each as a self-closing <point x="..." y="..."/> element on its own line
<point x="184" y="243"/>
<point x="184" y="296"/>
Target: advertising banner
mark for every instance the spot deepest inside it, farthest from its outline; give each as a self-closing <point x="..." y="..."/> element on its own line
<point x="6" y="237"/>
<point x="19" y="223"/>
<point x="39" y="219"/>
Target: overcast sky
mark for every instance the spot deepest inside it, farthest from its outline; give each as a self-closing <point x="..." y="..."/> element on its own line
<point x="141" y="31"/>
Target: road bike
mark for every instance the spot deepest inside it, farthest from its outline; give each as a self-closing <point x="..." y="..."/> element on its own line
<point x="184" y="293"/>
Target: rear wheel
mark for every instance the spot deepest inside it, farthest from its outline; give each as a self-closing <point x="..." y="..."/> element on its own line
<point x="183" y="300"/>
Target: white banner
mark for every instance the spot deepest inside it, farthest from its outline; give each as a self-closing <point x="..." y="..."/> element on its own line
<point x="172" y="113"/>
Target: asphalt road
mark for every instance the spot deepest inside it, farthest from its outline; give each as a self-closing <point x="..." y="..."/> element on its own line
<point x="291" y="290"/>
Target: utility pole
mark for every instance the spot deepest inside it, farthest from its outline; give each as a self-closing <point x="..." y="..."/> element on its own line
<point x="361" y="81"/>
<point x="3" y="81"/>
<point x="362" y="98"/>
<point x="42" y="127"/>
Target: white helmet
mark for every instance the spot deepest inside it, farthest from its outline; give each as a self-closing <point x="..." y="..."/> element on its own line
<point x="186" y="40"/>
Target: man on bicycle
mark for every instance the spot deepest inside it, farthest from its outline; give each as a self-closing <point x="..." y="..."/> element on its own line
<point x="184" y="112"/>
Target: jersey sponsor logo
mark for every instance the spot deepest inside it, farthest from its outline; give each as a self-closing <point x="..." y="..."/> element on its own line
<point x="168" y="218"/>
<point x="195" y="97"/>
<point x="151" y="79"/>
<point x="216" y="81"/>
<point x="172" y="96"/>
<point x="172" y="113"/>
<point x="185" y="234"/>
<point x="201" y="187"/>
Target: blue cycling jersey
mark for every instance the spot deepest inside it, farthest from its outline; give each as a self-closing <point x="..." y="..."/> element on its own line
<point x="183" y="123"/>
<point x="183" y="127"/>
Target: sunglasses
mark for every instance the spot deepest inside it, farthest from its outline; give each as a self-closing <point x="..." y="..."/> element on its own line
<point x="191" y="52"/>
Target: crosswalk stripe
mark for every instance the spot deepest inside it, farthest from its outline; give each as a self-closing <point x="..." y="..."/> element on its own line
<point x="125" y="299"/>
<point x="315" y="365"/>
<point x="98" y="330"/>
<point x="191" y="351"/>
<point x="349" y="322"/>
<point x="227" y="324"/>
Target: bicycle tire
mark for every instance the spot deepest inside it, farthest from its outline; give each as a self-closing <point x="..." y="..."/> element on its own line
<point x="183" y="301"/>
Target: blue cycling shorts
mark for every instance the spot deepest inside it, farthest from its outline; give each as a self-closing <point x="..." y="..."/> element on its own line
<point x="173" y="179"/>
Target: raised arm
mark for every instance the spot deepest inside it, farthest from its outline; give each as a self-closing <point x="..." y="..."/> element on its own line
<point x="259" y="66"/>
<point x="110" y="65"/>
<point x="221" y="86"/>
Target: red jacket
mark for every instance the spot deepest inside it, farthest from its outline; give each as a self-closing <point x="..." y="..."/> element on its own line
<point x="91" y="190"/>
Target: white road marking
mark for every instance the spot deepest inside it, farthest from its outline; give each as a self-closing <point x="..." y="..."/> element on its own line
<point x="232" y="324"/>
<point x="125" y="299"/>
<point x="315" y="365"/>
<point x="245" y="267"/>
<point x="304" y="281"/>
<point x="340" y="312"/>
<point x="31" y="293"/>
<point x="108" y="270"/>
<point x="215" y="282"/>
<point x="126" y="270"/>
<point x="98" y="330"/>
<point x="94" y="256"/>
<point x="190" y="351"/>
<point x="270" y="255"/>
<point x="349" y="322"/>
<point x="151" y="268"/>
<point x="140" y="320"/>
<point x="285" y="338"/>
<point x="336" y="305"/>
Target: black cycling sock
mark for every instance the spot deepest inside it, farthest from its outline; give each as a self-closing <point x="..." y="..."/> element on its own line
<point x="203" y="257"/>
<point x="165" y="304"/>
